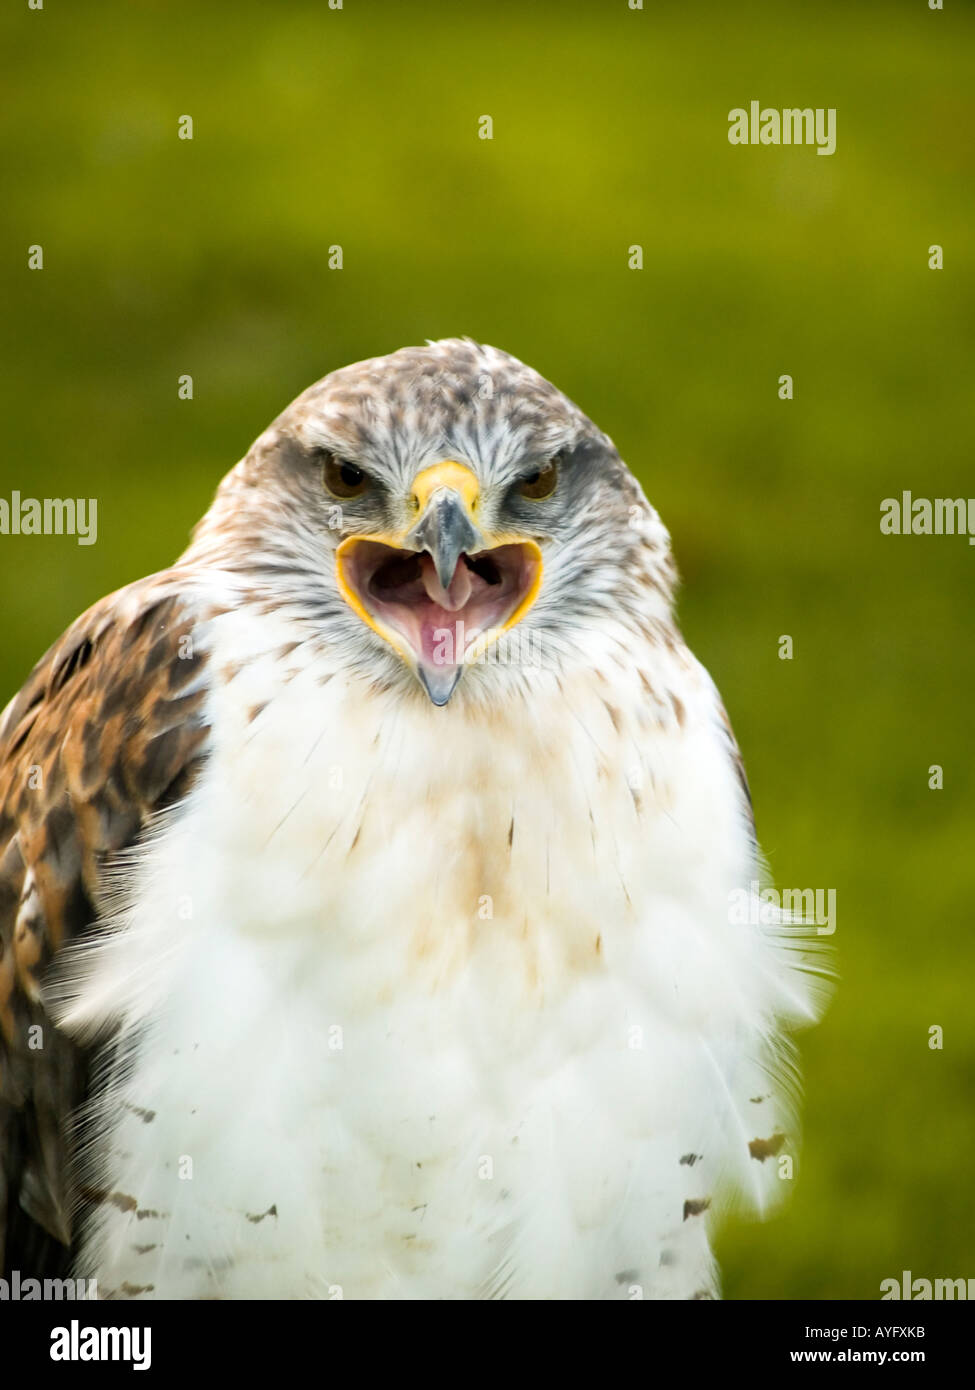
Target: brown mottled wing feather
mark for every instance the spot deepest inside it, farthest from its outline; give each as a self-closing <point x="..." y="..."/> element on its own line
<point x="108" y="729"/>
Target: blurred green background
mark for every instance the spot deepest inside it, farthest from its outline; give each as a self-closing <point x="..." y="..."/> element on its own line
<point x="358" y="127"/>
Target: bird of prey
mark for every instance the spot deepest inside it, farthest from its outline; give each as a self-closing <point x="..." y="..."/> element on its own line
<point x="365" y="882"/>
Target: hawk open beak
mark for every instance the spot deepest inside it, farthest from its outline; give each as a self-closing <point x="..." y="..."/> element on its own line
<point x="441" y="592"/>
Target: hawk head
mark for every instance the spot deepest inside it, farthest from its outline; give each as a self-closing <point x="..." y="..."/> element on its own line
<point x="446" y="513"/>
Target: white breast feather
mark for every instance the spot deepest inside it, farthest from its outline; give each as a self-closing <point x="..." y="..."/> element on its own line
<point x="370" y="1049"/>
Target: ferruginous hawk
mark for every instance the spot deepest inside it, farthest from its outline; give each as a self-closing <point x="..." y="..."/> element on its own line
<point x="365" y="881"/>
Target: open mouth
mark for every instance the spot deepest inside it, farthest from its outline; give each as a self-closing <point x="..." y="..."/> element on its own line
<point x="402" y="594"/>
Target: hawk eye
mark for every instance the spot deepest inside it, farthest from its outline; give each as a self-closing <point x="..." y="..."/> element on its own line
<point x="542" y="482"/>
<point x="344" y="479"/>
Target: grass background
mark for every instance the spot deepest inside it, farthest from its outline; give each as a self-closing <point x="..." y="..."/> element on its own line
<point x="358" y="127"/>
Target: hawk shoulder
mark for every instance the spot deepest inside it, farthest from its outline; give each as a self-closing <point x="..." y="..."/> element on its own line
<point x="109" y="728"/>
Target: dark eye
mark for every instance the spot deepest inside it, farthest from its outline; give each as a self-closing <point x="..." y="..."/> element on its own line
<point x="542" y="482"/>
<point x="344" y="479"/>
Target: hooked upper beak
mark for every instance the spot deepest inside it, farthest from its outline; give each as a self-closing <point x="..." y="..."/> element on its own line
<point x="448" y="501"/>
<point x="443" y="589"/>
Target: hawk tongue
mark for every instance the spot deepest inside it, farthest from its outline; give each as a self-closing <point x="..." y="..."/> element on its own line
<point x="442" y="636"/>
<point x="455" y="596"/>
